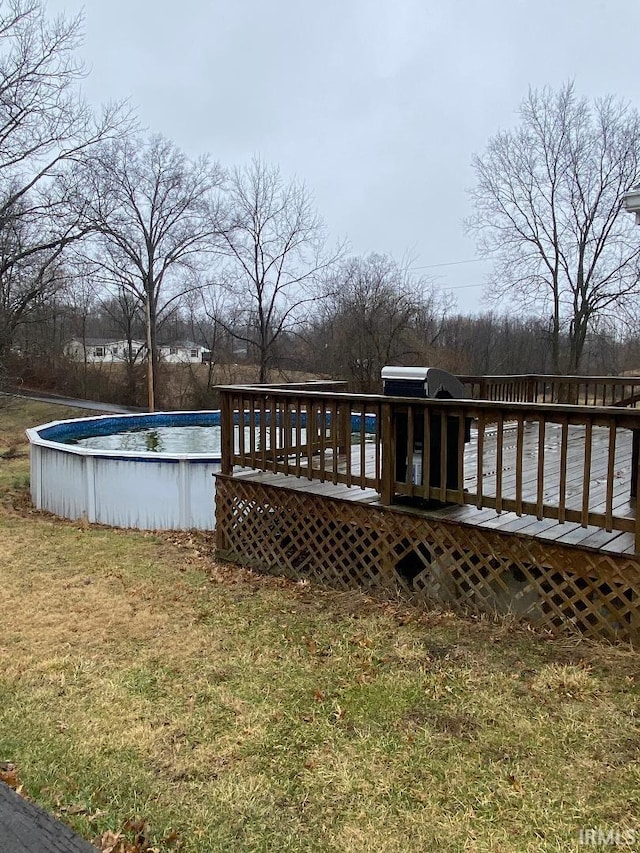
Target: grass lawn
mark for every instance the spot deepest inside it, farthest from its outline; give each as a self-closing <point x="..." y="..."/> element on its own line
<point x="149" y="693"/>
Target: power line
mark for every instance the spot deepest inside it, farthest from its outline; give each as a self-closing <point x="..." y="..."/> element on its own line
<point x="450" y="264"/>
<point x="443" y="286"/>
<point x="464" y="286"/>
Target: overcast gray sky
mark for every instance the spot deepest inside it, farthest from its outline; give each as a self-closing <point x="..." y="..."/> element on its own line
<point x="377" y="106"/>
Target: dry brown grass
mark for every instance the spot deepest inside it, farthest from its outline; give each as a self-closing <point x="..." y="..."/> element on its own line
<point x="140" y="678"/>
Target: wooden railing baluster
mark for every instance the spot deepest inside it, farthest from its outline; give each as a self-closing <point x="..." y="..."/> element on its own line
<point x="586" y="475"/>
<point x="241" y="448"/>
<point x="410" y="449"/>
<point x="636" y="474"/>
<point x="562" y="490"/>
<point x="346" y="430"/>
<point x="311" y="436"/>
<point x="461" y="444"/>
<point x="253" y="431"/>
<point x="363" y="449"/>
<point x="322" y="426"/>
<point x="519" y="458"/>
<point x="480" y="462"/>
<point x="443" y="457"/>
<point x="262" y="403"/>
<point x="540" y="471"/>
<point x="388" y="442"/>
<point x="335" y="442"/>
<point x="226" y="433"/>
<point x="499" y="455"/>
<point x="378" y="445"/>
<point x="611" y="471"/>
<point x="288" y="433"/>
<point x="426" y="450"/>
<point x="273" y="432"/>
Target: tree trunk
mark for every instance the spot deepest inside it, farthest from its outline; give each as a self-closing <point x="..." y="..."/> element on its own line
<point x="263" y="375"/>
<point x="555" y="335"/>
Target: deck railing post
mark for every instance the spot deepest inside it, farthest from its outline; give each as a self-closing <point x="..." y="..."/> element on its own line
<point x="635" y="475"/>
<point x="226" y="433"/>
<point x="531" y="390"/>
<point x="635" y="482"/>
<point x="388" y="476"/>
<point x="344" y="428"/>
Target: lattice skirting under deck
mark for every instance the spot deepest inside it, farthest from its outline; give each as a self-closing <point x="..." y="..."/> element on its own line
<point x="426" y="560"/>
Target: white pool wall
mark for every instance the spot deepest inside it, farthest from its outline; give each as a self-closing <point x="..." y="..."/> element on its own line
<point x="149" y="491"/>
<point x="128" y="488"/>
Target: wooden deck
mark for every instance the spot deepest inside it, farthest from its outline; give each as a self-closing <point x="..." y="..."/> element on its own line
<point x="547" y="529"/>
<point x="533" y="516"/>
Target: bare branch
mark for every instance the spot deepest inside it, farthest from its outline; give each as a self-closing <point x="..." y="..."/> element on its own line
<point x="278" y="262"/>
<point x="547" y="209"/>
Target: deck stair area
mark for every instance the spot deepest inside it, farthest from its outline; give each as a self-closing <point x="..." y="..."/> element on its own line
<point x="539" y="522"/>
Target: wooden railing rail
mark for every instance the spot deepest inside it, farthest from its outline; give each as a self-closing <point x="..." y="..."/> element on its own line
<point x="571" y="463"/>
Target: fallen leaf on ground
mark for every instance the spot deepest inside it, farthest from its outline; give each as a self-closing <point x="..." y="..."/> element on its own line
<point x="9" y="775"/>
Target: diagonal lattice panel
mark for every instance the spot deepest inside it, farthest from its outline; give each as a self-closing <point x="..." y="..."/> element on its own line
<point x="429" y="561"/>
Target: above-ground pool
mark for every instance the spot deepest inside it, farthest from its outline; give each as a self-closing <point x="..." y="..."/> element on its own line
<point x="128" y="483"/>
<point x="152" y="471"/>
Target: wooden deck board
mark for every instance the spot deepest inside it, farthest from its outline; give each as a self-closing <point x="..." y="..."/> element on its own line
<point x="601" y="538"/>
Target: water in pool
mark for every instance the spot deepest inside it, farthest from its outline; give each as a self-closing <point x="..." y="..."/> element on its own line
<point x="167" y="439"/>
<point x="160" y="439"/>
<point x="173" y="439"/>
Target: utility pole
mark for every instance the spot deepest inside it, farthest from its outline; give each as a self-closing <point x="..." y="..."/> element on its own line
<point x="150" y="392"/>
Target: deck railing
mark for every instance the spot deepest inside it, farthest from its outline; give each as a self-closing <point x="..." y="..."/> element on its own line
<point x="312" y="434"/>
<point x="619" y="391"/>
<point x="572" y="463"/>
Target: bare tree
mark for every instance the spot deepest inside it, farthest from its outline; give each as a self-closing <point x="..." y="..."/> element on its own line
<point x="495" y="343"/>
<point x="125" y="317"/>
<point x="82" y="301"/>
<point x="378" y="313"/>
<point x="276" y="246"/>
<point x="547" y="208"/>
<point x="155" y="215"/>
<point x="45" y="128"/>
